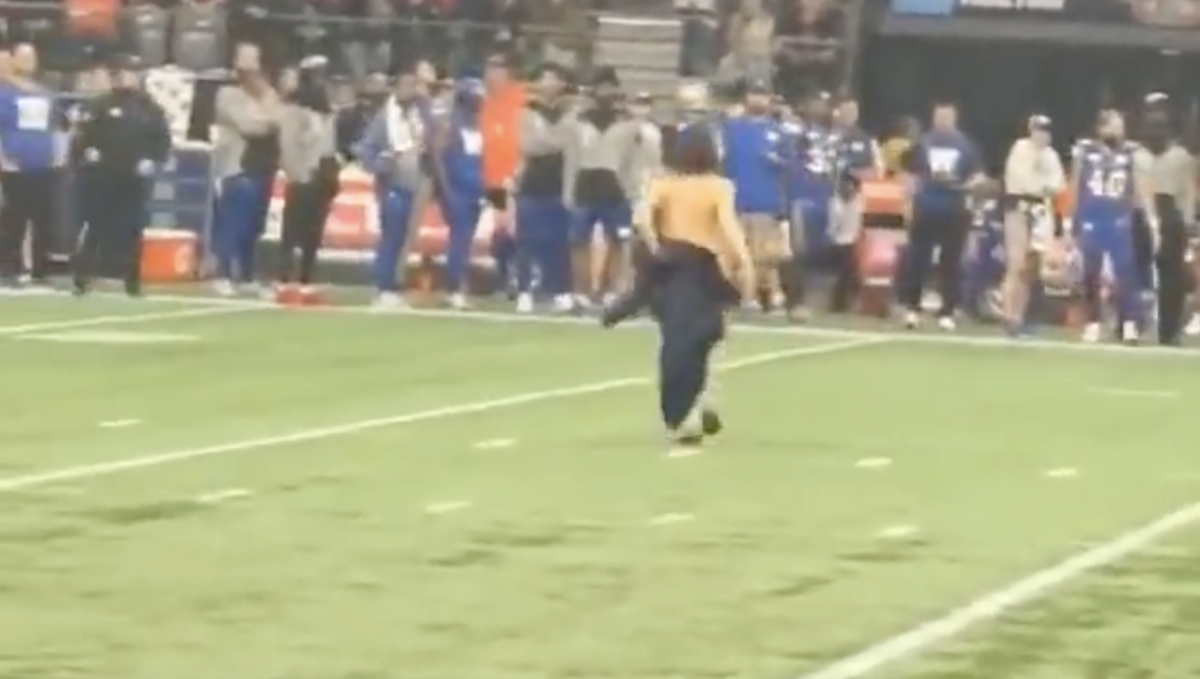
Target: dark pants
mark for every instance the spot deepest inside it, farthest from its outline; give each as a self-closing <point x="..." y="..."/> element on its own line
<point x="305" y="210"/>
<point x="29" y="202"/>
<point x="1172" y="270"/>
<point x="687" y="294"/>
<point x="946" y="231"/>
<point x="112" y="207"/>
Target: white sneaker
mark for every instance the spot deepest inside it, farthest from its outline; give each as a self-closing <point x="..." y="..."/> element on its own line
<point x="582" y="302"/>
<point x="947" y="323"/>
<point x="1091" y="333"/>
<point x="223" y="287"/>
<point x="564" y="303"/>
<point x="458" y="302"/>
<point x="524" y="303"/>
<point x="912" y="320"/>
<point x="1192" y="329"/>
<point x="388" y="301"/>
<point x="779" y="303"/>
<point x="1129" y="332"/>
<point x="752" y="305"/>
<point x="610" y="298"/>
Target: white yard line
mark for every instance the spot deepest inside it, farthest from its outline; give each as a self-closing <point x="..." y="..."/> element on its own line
<point x="917" y="337"/>
<point x="119" y="319"/>
<point x="994" y="604"/>
<point x="305" y="435"/>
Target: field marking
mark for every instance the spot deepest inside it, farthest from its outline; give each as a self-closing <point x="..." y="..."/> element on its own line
<point x="897" y="532"/>
<point x="1062" y="473"/>
<point x="1135" y="393"/>
<point x="494" y="444"/>
<point x="874" y="463"/>
<point x="119" y="319"/>
<point x="305" y="435"/>
<point x="447" y="507"/>
<point x="670" y="518"/>
<point x="119" y="424"/>
<point x="108" y="337"/>
<point x="216" y="497"/>
<point x="891" y="333"/>
<point x="994" y="604"/>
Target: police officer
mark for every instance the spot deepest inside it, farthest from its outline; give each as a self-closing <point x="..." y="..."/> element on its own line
<point x="121" y="139"/>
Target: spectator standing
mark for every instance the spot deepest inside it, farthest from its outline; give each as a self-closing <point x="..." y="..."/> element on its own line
<point x="146" y="32"/>
<point x="198" y="35"/>
<point x="245" y="160"/>
<point x="808" y="32"/>
<point x="750" y="37"/>
<point x="701" y="42"/>
<point x="32" y="149"/>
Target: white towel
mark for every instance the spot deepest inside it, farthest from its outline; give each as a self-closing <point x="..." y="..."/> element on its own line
<point x="406" y="130"/>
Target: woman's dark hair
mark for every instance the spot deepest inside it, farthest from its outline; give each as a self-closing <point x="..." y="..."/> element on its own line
<point x="313" y="92"/>
<point x="697" y="150"/>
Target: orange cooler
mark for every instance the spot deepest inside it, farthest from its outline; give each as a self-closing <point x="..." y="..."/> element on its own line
<point x="168" y="255"/>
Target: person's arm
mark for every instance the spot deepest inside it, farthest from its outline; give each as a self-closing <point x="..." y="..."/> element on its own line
<point x="1076" y="182"/>
<point x="731" y="227"/>
<point x="370" y="148"/>
<point x="235" y="111"/>
<point x="292" y="151"/>
<point x="160" y="133"/>
<point x="1187" y="188"/>
<point x="643" y="218"/>
<point x="440" y="140"/>
<point x="1144" y="190"/>
<point x="1016" y="168"/>
<point x="571" y="136"/>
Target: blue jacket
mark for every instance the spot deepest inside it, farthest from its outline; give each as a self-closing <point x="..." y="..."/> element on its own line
<point x="942" y="162"/>
<point x="29" y="127"/>
<point x="755" y="160"/>
<point x="403" y="170"/>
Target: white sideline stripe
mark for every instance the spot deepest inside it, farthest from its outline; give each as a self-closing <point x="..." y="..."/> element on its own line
<point x="913" y="336"/>
<point x="305" y="435"/>
<point x="1135" y="393"/>
<point x="117" y="319"/>
<point x="995" y="604"/>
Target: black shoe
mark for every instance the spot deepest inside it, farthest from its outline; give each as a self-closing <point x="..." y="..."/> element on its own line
<point x="133" y="289"/>
<point x="710" y="422"/>
<point x="689" y="441"/>
<point x="79" y="288"/>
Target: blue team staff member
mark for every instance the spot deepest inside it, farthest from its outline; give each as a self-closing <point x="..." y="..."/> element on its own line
<point x="543" y="220"/>
<point x="1110" y="183"/>
<point x="810" y="193"/>
<point x="32" y="149"/>
<point x="121" y="140"/>
<point x="944" y="164"/>
<point x="245" y="159"/>
<point x="755" y="161"/>
<point x="856" y="159"/>
<point x="458" y="164"/>
<point x="394" y="149"/>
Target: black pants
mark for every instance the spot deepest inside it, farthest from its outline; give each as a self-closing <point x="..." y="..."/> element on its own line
<point x="1172" y="270"/>
<point x="945" y="230"/>
<point x="305" y="209"/>
<point x="29" y="210"/>
<point x="112" y="207"/>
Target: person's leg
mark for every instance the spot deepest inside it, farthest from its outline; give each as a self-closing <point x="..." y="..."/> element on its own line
<point x="14" y="220"/>
<point x="1172" y="274"/>
<point x="952" y="239"/>
<point x="323" y="195"/>
<point x="293" y="217"/>
<point x="395" y="207"/>
<point x="43" y="203"/>
<point x="462" y="217"/>
<point x="921" y="242"/>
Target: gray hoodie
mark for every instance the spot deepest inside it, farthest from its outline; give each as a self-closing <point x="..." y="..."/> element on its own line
<point x="305" y="137"/>
<point x="238" y="116"/>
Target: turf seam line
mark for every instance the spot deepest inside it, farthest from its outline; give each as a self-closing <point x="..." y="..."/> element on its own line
<point x="897" y="334"/>
<point x="19" y="482"/>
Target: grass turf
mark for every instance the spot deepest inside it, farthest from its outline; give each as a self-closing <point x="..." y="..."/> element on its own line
<point x="579" y="551"/>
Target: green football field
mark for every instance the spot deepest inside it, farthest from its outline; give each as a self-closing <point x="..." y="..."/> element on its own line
<point x="198" y="491"/>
